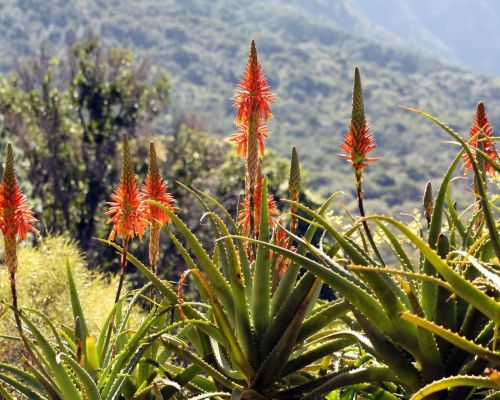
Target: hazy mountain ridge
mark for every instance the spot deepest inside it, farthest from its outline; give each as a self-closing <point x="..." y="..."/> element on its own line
<point x="463" y="31"/>
<point x="309" y="63"/>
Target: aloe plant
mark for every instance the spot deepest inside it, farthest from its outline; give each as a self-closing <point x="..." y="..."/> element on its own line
<point x="417" y="317"/>
<point x="263" y="347"/>
<point x="433" y="323"/>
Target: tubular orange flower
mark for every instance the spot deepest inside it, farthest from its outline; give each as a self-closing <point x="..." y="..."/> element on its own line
<point x="253" y="93"/>
<point x="128" y="214"/>
<point x="16" y="217"/>
<point x="283" y="240"/>
<point x="244" y="217"/>
<point x="155" y="188"/>
<point x="358" y="141"/>
<point x="241" y="138"/>
<point x="481" y="135"/>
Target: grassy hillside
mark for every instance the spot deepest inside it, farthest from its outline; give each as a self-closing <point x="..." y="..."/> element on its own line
<point x="309" y="62"/>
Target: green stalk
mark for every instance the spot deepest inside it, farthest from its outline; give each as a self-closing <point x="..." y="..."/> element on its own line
<point x="365" y="224"/>
<point x="14" y="302"/>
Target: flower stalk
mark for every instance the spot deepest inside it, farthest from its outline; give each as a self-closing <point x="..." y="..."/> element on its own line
<point x="428" y="202"/>
<point x="358" y="142"/>
<point x="128" y="217"/>
<point x="481" y="138"/>
<point x="252" y="100"/>
<point x="16" y="219"/>
<point x="155" y="188"/>
<point x="127" y="212"/>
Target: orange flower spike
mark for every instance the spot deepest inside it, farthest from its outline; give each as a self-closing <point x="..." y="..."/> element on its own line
<point x="253" y="93"/>
<point x="480" y="135"/>
<point x="127" y="212"/>
<point x="252" y="100"/>
<point x="155" y="188"/>
<point x="16" y="217"/>
<point x="241" y="138"/>
<point x="358" y="141"/>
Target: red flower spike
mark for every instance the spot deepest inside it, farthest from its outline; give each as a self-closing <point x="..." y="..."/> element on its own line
<point x="16" y="217"/>
<point x="241" y="138"/>
<point x="481" y="133"/>
<point x="155" y="188"/>
<point x="128" y="214"/>
<point x="358" y="141"/>
<point x="253" y="93"/>
<point x="244" y="216"/>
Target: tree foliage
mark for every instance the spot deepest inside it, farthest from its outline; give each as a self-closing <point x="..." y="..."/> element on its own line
<point x="67" y="115"/>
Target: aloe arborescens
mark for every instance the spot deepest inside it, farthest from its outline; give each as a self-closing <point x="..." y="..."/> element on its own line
<point x="128" y="214"/>
<point x="358" y="142"/>
<point x="16" y="219"/>
<point x="155" y="188"/>
<point x="252" y="100"/>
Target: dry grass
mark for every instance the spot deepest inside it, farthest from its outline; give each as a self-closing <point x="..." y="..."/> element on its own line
<point x="42" y="285"/>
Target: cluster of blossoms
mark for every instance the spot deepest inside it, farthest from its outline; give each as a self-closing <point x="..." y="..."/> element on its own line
<point x="481" y="137"/>
<point x="252" y="101"/>
<point x="130" y="211"/>
<point x="358" y="140"/>
<point x="16" y="217"/>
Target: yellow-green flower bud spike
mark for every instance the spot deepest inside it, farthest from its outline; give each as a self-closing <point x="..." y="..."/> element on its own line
<point x="127" y="169"/>
<point x="358" y="108"/>
<point x="428" y="203"/>
<point x="9" y="176"/>
<point x="253" y="52"/>
<point x="154" y="238"/>
<point x="9" y="185"/>
<point x="294" y="182"/>
<point x="153" y="160"/>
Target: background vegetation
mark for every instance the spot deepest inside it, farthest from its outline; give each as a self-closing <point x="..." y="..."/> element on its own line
<point x="308" y="61"/>
<point x="418" y="317"/>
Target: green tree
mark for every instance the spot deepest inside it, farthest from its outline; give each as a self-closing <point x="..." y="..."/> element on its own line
<point x="67" y="115"/>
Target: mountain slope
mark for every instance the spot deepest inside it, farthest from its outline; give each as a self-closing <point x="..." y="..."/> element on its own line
<point x="390" y="22"/>
<point x="460" y="30"/>
<point x="309" y="62"/>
